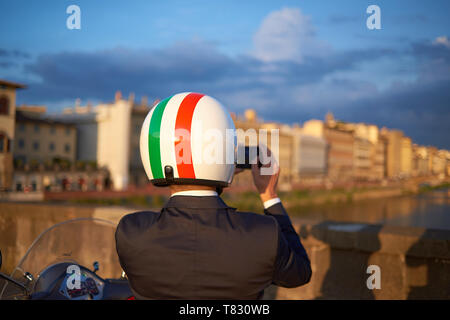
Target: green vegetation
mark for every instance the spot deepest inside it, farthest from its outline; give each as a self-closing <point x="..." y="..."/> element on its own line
<point x="296" y="200"/>
<point x="83" y="165"/>
<point x="427" y="187"/>
<point x="246" y="201"/>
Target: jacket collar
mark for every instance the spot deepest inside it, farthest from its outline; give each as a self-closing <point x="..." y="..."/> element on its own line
<point x="195" y="202"/>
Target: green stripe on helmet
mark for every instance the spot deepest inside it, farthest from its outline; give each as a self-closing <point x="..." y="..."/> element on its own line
<point x="154" y="148"/>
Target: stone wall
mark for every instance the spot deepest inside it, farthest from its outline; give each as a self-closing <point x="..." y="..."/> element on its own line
<point x="414" y="262"/>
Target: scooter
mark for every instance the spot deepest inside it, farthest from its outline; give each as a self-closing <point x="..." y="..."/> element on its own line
<point x="54" y="267"/>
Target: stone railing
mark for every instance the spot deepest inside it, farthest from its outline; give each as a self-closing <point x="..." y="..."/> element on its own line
<point x="414" y="262"/>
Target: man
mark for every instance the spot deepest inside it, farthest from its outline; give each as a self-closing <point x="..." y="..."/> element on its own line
<point x="197" y="247"/>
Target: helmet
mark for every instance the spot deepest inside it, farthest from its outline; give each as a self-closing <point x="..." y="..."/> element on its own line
<point x="188" y="138"/>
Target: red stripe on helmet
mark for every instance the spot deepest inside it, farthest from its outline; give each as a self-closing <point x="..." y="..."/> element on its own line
<point x="183" y="125"/>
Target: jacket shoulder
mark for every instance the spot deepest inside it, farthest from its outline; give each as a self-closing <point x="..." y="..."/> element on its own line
<point x="133" y="222"/>
<point x="261" y="221"/>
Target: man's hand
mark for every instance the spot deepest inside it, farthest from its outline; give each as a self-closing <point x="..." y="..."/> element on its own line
<point x="266" y="184"/>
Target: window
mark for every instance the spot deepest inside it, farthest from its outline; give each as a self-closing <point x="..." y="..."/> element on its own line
<point x="35" y="145"/>
<point x="67" y="148"/>
<point x="67" y="131"/>
<point x="51" y="147"/>
<point x="52" y="130"/>
<point x="21" y="144"/>
<point x="4" y="105"/>
<point x="21" y="127"/>
<point x="36" y="128"/>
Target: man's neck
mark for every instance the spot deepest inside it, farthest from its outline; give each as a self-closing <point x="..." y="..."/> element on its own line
<point x="192" y="190"/>
<point x="195" y="193"/>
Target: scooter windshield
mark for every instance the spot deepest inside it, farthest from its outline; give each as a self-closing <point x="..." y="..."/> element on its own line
<point x="81" y="242"/>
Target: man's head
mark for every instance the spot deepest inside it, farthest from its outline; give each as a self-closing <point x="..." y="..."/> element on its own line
<point x="189" y="139"/>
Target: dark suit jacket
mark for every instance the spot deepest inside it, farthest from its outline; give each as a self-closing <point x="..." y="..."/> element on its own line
<point x="199" y="248"/>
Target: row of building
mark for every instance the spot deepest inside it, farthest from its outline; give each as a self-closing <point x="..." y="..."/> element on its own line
<point x="97" y="147"/>
<point x="82" y="148"/>
<point x="331" y="152"/>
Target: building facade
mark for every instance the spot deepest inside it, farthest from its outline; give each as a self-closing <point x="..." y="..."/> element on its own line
<point x="103" y="137"/>
<point x="310" y="159"/>
<point x="406" y="157"/>
<point x="420" y="161"/>
<point x="42" y="140"/>
<point x="362" y="159"/>
<point x="341" y="142"/>
<point x="138" y="177"/>
<point x="7" y="131"/>
<point x="393" y="152"/>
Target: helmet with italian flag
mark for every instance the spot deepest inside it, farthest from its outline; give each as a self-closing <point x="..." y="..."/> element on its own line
<point x="188" y="138"/>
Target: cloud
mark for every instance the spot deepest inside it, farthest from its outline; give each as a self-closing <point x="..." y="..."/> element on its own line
<point x="287" y="35"/>
<point x="443" y="40"/>
<point x="342" y="19"/>
<point x="420" y="108"/>
<point x="14" y="53"/>
<point x="7" y="64"/>
<point x="98" y="74"/>
<point x="193" y="65"/>
<point x="412" y="18"/>
<point x="7" y="57"/>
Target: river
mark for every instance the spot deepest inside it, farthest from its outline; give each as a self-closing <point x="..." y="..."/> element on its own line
<point x="425" y="210"/>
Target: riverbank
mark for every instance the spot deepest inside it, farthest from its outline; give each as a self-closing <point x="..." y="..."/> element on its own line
<point x="298" y="202"/>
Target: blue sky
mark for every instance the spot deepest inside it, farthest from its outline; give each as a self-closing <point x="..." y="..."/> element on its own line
<point x="290" y="60"/>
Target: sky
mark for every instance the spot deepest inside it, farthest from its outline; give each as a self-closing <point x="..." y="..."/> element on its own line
<point x="291" y="61"/>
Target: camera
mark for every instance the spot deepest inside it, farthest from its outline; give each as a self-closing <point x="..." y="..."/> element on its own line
<point x="250" y="153"/>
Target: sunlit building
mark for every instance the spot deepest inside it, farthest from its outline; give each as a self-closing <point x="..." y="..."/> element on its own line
<point x="248" y="134"/>
<point x="40" y="139"/>
<point x="432" y="154"/>
<point x="362" y="159"/>
<point x="377" y="147"/>
<point x="379" y="159"/>
<point x="104" y="135"/>
<point x="440" y="163"/>
<point x="406" y="157"/>
<point x="7" y="131"/>
<point x="340" y="148"/>
<point x="448" y="163"/>
<point x="138" y="177"/>
<point x="310" y="158"/>
<point x="393" y="152"/>
<point x="369" y="156"/>
<point x="420" y="160"/>
<point x="248" y="121"/>
<point x="302" y="157"/>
